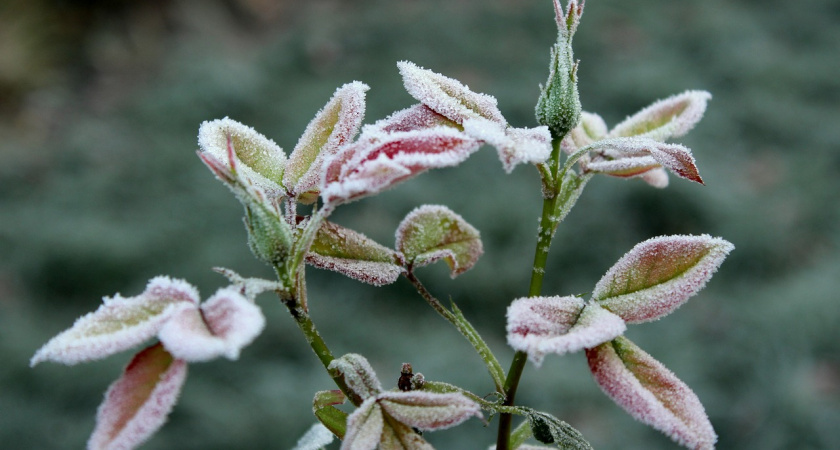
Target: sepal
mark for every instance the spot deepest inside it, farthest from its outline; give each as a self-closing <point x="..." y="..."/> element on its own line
<point x="651" y="393"/>
<point x="659" y="275"/>
<point x="432" y="232"/>
<point x="138" y="403"/>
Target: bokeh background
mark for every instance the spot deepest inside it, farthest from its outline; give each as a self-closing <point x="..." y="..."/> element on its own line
<point x="100" y="190"/>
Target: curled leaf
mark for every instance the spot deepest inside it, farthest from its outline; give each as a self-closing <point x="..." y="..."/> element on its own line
<point x="333" y="127"/>
<point x="226" y="323"/>
<point x="515" y="145"/>
<point x="354" y="255"/>
<point x="432" y="232"/>
<point x="658" y="275"/>
<point x="383" y="160"/>
<point x="248" y="155"/>
<point x="137" y="404"/>
<point x="429" y="411"/>
<point x="119" y="323"/>
<point x="358" y="374"/>
<point x="666" y="118"/>
<point x="541" y="325"/>
<point x="651" y="393"/>
<point x="633" y="156"/>
<point x="447" y="96"/>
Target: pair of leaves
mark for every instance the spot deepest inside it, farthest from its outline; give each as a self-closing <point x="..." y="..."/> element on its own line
<point x="635" y="147"/>
<point x="649" y="282"/>
<point x="137" y="404"/>
<point x="386" y="418"/>
<point x="427" y="234"/>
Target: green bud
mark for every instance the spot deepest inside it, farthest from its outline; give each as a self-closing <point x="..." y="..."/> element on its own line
<point x="559" y="104"/>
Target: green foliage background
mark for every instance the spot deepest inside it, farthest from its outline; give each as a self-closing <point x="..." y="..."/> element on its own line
<point x="100" y="190"/>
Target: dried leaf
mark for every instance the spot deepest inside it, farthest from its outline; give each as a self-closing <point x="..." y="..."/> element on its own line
<point x="354" y="255"/>
<point x="432" y="232"/>
<point x="383" y="160"/>
<point x="227" y="323"/>
<point x="257" y="159"/>
<point x="665" y="119"/>
<point x="541" y="325"/>
<point x="137" y="404"/>
<point x="120" y="323"/>
<point x="428" y="411"/>
<point x="358" y="374"/>
<point x="658" y="275"/>
<point x="447" y="96"/>
<point x="651" y="393"/>
<point x="333" y="127"/>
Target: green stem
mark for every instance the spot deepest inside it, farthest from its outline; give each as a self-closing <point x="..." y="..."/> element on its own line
<point x="456" y="318"/>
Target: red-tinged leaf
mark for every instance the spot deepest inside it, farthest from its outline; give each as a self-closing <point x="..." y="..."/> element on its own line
<point x="364" y="427"/>
<point x="333" y="127"/>
<point x="657" y="178"/>
<point x="431" y="232"/>
<point x="354" y="255"/>
<point x="632" y="156"/>
<point x="542" y="325"/>
<point x="428" y="411"/>
<point x="226" y="323"/>
<point x="658" y="275"/>
<point x="417" y="117"/>
<point x="120" y="323"/>
<point x="381" y="161"/>
<point x="447" y="96"/>
<point x="358" y="374"/>
<point x="665" y="119"/>
<point x="256" y="159"/>
<point x="651" y="393"/>
<point x="139" y="402"/>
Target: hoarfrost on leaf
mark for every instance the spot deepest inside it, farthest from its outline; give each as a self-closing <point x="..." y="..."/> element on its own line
<point x="119" y="323"/>
<point x="542" y="325"/>
<point x="433" y="232"/>
<point x="358" y="374"/>
<point x="354" y="255"/>
<point x="364" y="427"/>
<point x="333" y="127"/>
<point x="316" y="438"/>
<point x="515" y="145"/>
<point x="447" y="96"/>
<point x="417" y="117"/>
<point x="634" y="156"/>
<point x="137" y="404"/>
<point x="651" y="393"/>
<point x="429" y="411"/>
<point x="667" y="118"/>
<point x="257" y="160"/>
<point x="658" y="275"/>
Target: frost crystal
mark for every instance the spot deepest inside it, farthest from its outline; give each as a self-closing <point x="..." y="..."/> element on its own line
<point x="651" y="393"/>
<point x="658" y="275"/>
<point x="541" y="325"/>
<point x="333" y="127"/>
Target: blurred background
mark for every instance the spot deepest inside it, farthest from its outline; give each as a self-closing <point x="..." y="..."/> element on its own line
<point x="100" y="190"/>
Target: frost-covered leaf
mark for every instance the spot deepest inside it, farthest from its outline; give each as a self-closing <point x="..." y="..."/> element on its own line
<point x="633" y="156"/>
<point x="432" y="232"/>
<point x="119" y="323"/>
<point x="137" y="404"/>
<point x="399" y="436"/>
<point x="226" y="323"/>
<point x="383" y="160"/>
<point x="333" y="127"/>
<point x="256" y="159"/>
<point x="249" y="287"/>
<point x="590" y="129"/>
<point x="541" y="325"/>
<point x="551" y="430"/>
<point x="428" y="411"/>
<point x="657" y="178"/>
<point x="447" y="96"/>
<point x="334" y="419"/>
<point x="364" y="427"/>
<point x="417" y="117"/>
<point x="316" y="437"/>
<point x="354" y="255"/>
<point x="358" y="374"/>
<point x="665" y="119"/>
<point x="658" y="275"/>
<point x="651" y="393"/>
<point x="515" y="145"/>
